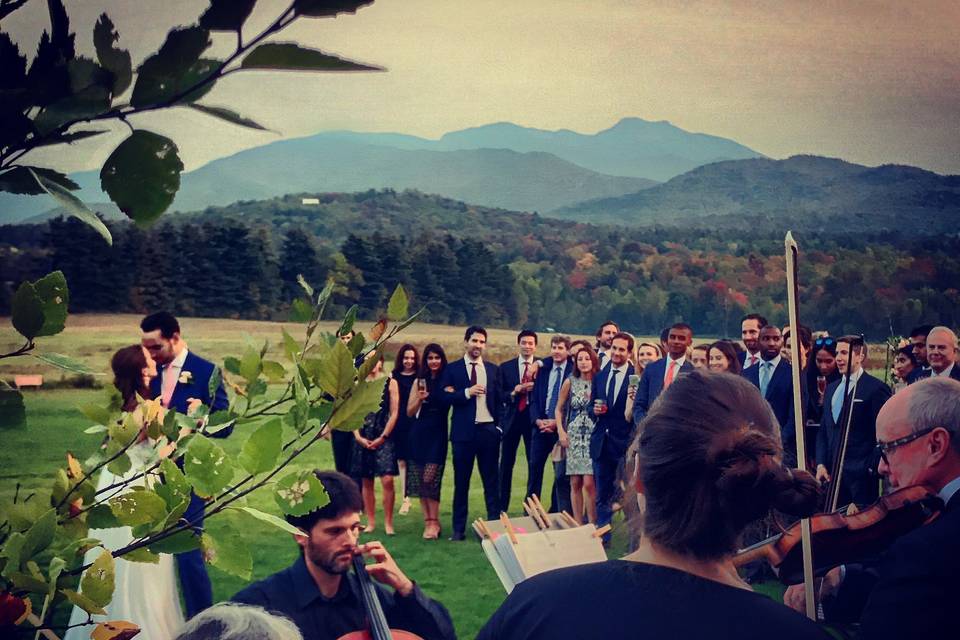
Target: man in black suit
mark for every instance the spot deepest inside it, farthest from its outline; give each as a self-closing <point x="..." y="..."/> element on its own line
<point x="613" y="432"/>
<point x="773" y="376"/>
<point x="543" y="405"/>
<point x="918" y="338"/>
<point x="604" y="339"/>
<point x="942" y="354"/>
<point x="869" y="394"/>
<point x="660" y="374"/>
<point x="750" y="326"/>
<point x="516" y="384"/>
<point x="472" y="387"/>
<point x="913" y="589"/>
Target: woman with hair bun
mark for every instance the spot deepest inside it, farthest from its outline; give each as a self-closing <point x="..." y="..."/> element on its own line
<point x="706" y="474"/>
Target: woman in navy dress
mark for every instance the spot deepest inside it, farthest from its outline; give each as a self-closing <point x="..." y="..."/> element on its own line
<point x="428" y="438"/>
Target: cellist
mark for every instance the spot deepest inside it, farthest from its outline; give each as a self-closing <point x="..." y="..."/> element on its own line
<point x="912" y="590"/>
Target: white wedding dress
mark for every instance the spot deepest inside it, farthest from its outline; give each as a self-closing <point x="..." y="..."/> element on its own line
<point x="144" y="594"/>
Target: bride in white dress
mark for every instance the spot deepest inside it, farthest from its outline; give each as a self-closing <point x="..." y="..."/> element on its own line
<point x="144" y="594"/>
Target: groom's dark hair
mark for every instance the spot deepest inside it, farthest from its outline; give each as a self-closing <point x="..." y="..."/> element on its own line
<point x="162" y="320"/>
<point x="344" y="497"/>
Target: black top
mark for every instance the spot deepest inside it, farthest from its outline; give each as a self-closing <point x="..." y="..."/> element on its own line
<point x="428" y="433"/>
<point x="293" y="593"/>
<point x="623" y="599"/>
<point x="401" y="430"/>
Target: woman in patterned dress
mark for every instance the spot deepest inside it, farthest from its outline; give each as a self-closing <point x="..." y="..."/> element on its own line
<point x="574" y="428"/>
<point x="374" y="453"/>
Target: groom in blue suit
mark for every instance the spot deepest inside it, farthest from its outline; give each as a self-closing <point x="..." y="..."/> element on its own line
<point x="182" y="383"/>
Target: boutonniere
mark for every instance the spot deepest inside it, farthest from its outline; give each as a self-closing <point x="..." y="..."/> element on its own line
<point x="185" y="377"/>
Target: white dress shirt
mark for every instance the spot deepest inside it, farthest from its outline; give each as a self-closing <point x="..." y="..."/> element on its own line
<point x="483" y="413"/>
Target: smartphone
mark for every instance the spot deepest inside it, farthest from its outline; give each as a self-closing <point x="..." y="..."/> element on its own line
<point x="634" y="380"/>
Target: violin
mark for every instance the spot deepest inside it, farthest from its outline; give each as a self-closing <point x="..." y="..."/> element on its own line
<point x="376" y="620"/>
<point x="842" y="537"/>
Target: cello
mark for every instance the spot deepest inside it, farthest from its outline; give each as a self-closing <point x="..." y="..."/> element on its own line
<point x="378" y="629"/>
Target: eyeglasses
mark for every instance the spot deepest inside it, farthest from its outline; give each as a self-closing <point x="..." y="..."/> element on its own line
<point x="883" y="448"/>
<point x="824" y="342"/>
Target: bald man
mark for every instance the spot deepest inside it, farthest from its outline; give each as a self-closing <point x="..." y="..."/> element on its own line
<point x="942" y="353"/>
<point x="912" y="591"/>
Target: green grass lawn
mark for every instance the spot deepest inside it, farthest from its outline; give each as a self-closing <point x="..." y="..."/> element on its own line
<point x="457" y="574"/>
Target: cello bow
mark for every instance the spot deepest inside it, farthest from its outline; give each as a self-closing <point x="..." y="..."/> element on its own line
<point x="791" y="252"/>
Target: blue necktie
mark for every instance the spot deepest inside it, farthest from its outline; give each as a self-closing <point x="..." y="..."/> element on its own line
<point x="765" y="377"/>
<point x="554" y="392"/>
<point x="837" y="403"/>
<point x="612" y="389"/>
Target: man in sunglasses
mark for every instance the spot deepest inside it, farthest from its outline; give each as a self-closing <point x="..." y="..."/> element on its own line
<point x="912" y="591"/>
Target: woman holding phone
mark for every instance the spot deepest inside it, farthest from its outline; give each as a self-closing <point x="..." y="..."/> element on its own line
<point x="428" y="438"/>
<point x="574" y="428"/>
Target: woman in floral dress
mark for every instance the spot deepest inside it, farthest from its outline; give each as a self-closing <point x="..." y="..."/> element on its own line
<point x="574" y="428"/>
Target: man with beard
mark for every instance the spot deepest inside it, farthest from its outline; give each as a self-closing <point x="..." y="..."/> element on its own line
<point x="318" y="591"/>
<point x="750" y="327"/>
<point x="774" y="379"/>
<point x="604" y="339"/>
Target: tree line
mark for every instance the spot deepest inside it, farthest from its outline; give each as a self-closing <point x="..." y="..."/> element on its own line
<point x="495" y="268"/>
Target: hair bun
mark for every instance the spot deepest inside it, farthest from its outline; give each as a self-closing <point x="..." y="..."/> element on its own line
<point x="798" y="495"/>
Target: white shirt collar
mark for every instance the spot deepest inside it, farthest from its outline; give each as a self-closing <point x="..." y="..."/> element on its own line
<point x="621" y="368"/>
<point x="946" y="372"/>
<point x="467" y="359"/>
<point x="179" y="360"/>
<point x="679" y="360"/>
<point x="854" y="378"/>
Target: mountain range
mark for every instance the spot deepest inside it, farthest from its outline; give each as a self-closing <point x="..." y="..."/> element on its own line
<point x="496" y="165"/>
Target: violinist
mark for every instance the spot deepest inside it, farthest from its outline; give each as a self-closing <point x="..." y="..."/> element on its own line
<point x="706" y="474"/>
<point x="912" y="590"/>
<point x="319" y="593"/>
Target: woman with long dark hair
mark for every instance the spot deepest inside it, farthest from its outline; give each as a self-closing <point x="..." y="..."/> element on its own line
<point x="405" y="373"/>
<point x="709" y="462"/>
<point x="574" y="428"/>
<point x="722" y="357"/>
<point x="428" y="438"/>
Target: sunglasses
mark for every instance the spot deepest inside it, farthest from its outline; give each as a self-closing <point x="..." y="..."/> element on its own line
<point x="824" y="342"/>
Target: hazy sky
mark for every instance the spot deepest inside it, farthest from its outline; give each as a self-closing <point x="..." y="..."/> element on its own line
<point x="866" y="81"/>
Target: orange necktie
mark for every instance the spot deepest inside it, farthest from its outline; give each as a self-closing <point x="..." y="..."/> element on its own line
<point x="670" y="370"/>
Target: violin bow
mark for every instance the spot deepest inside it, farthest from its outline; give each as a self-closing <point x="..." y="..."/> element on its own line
<point x="791" y="252"/>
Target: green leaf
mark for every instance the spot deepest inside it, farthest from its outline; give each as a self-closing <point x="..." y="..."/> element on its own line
<point x="29" y="583"/>
<point x="54" y="569"/>
<point x="274" y="371"/>
<point x="64" y="362"/>
<point x="227" y="115"/>
<point x="406" y="323"/>
<point x="226" y="15"/>
<point x="97" y="414"/>
<point x="13" y="413"/>
<point x="21" y="180"/>
<point x="61" y="484"/>
<point x="115" y="60"/>
<point x="54" y="296"/>
<point x="226" y="549"/>
<point x="11" y="550"/>
<point x="364" y="399"/>
<point x="180" y="542"/>
<point x="142" y="175"/>
<point x="356" y="344"/>
<point x="174" y="489"/>
<point x="135" y="508"/>
<point x="102" y="517"/>
<point x="174" y="68"/>
<point x="348" y="320"/>
<point x="262" y="448"/>
<point x="299" y="493"/>
<point x="306" y="285"/>
<point x="96" y="585"/>
<point x="142" y="555"/>
<point x="232" y="365"/>
<point x="73" y="205"/>
<point x="27" y="311"/>
<point x="327" y="8"/>
<point x="39" y="536"/>
<point x="289" y="56"/>
<point x="290" y="346"/>
<point x="218" y="421"/>
<point x="300" y="311"/>
<point x="397" y="308"/>
<point x="337" y="373"/>
<point x="251" y="365"/>
<point x="83" y="602"/>
<point x="216" y="377"/>
<point x="170" y="427"/>
<point x="207" y="467"/>
<point x="279" y="523"/>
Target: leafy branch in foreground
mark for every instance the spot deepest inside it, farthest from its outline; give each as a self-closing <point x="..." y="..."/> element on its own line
<point x="52" y="101"/>
<point x="42" y="546"/>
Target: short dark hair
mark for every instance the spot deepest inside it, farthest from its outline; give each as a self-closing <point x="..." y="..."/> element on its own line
<point x="607" y="323"/>
<point x="162" y="320"/>
<point x="398" y="363"/>
<point x="557" y="339"/>
<point x="755" y="316"/>
<point x="857" y="345"/>
<point x="923" y="330"/>
<point x="771" y="327"/>
<point x="582" y="343"/>
<point x="702" y="347"/>
<point x="708" y="473"/>
<point x="622" y="335"/>
<point x="683" y="326"/>
<point x="664" y="335"/>
<point x="528" y="333"/>
<point x="344" y="497"/>
<point x="472" y="329"/>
